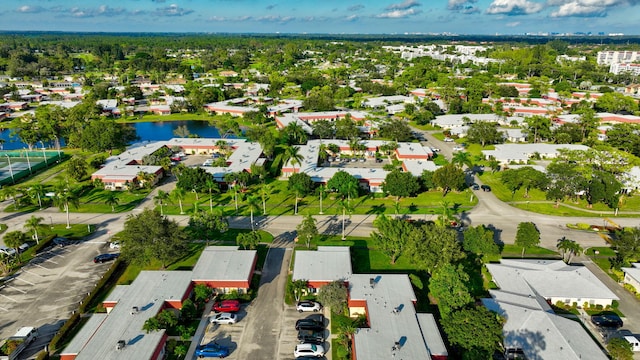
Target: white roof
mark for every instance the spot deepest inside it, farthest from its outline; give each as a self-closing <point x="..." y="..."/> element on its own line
<point x="328" y="263"/>
<point x="522" y="152"/>
<point x="382" y="101"/>
<point x="549" y="278"/>
<point x="416" y="167"/>
<point x="542" y="334"/>
<point x="224" y="263"/>
<point x="149" y="292"/>
<point x="454" y="120"/>
<point x="390" y="292"/>
<point x="107" y="103"/>
<point x="633" y="271"/>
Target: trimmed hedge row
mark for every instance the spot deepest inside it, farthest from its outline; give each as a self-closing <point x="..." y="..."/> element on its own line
<point x="105" y="278"/>
<point x="64" y="330"/>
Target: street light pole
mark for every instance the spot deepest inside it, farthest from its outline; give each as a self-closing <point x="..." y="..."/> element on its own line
<point x="44" y="154"/>
<point x="10" y="168"/>
<point x="28" y="161"/>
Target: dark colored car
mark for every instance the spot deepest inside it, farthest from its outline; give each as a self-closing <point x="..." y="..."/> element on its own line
<point x="311" y="337"/>
<point x="313" y="323"/>
<point x="60" y="241"/>
<point x="105" y="257"/>
<point x="611" y="321"/>
<point x="212" y="350"/>
<point x="485" y="188"/>
<point x="227" y="306"/>
<point x="475" y="186"/>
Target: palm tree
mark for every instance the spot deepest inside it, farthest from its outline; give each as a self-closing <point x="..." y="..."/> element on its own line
<point x="351" y="190"/>
<point x="160" y="199"/>
<point x="14" y="239"/>
<point x="265" y="191"/>
<point x="354" y="145"/>
<point x="346" y="208"/>
<point x="253" y="203"/>
<point x="223" y="147"/>
<point x="321" y="190"/>
<point x="569" y="248"/>
<point x="112" y="200"/>
<point x="462" y="158"/>
<point x="213" y="188"/>
<point x="231" y="179"/>
<point x="292" y="154"/>
<point x="65" y="199"/>
<point x="289" y="154"/>
<point x="446" y="216"/>
<point x="37" y="191"/>
<point x="178" y="194"/>
<point x="33" y="224"/>
<point x="11" y="192"/>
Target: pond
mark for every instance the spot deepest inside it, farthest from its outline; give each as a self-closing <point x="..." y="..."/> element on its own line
<point x="147" y="131"/>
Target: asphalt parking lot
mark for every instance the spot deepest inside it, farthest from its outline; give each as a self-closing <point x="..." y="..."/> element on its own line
<point x="47" y="290"/>
<point x="289" y="334"/>
<point x="231" y="336"/>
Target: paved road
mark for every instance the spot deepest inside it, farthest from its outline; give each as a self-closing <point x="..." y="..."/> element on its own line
<point x="265" y="315"/>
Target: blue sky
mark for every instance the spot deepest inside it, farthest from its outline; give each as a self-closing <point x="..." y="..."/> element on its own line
<point x="324" y="16"/>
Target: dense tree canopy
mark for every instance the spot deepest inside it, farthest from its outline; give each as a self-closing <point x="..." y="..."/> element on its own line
<point x="149" y="237"/>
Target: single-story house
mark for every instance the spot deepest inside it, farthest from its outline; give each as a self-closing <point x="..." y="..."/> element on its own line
<point x="526" y="290"/>
<point x="632" y="276"/>
<point x="225" y="268"/>
<point x="118" y="334"/>
<point x="322" y="266"/>
<point x="507" y="153"/>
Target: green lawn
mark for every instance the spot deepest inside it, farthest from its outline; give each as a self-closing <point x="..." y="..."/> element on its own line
<point x="602" y="260"/>
<point x="282" y="202"/>
<point x="514" y="251"/>
<point x="188" y="261"/>
<point x="537" y="202"/>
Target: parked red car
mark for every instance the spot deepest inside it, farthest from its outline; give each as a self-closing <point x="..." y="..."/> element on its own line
<point x="227" y="306"/>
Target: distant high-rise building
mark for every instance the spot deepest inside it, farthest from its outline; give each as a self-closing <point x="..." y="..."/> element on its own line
<point x="617" y="57"/>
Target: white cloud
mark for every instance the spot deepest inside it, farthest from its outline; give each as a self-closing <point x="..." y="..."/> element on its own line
<point x="397" y="14"/>
<point x="406" y="4"/>
<point x="173" y="10"/>
<point x="352" y="18"/>
<point x="29" y="9"/>
<point x="514" y="7"/>
<point x="513" y="24"/>
<point x="587" y="8"/>
<point x="276" y="18"/>
<point x="102" y="10"/>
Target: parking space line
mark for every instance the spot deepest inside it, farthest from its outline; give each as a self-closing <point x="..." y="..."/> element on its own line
<point x="32" y="273"/>
<point x="28" y="282"/>
<point x="16" y="289"/>
<point x="68" y="297"/>
<point x="1" y="308"/>
<point x="52" y="261"/>
<point x="5" y="296"/>
<point x="38" y="265"/>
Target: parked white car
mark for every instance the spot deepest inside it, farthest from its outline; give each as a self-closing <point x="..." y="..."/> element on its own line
<point x="448" y="139"/>
<point x="7" y="251"/>
<point x="114" y="245"/>
<point x="311" y="350"/>
<point x="224" y="318"/>
<point x="308" y="306"/>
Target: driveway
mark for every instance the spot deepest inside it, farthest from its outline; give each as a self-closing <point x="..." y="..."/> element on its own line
<point x="261" y="335"/>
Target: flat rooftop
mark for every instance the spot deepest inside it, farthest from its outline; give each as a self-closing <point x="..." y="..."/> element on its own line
<point x="224" y="263"/>
<point x="328" y="263"/>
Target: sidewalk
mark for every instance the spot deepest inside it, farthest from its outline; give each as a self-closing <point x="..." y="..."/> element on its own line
<point x="202" y="328"/>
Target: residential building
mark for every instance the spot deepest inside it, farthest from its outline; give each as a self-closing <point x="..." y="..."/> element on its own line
<point x="225" y="269"/>
<point x="387" y="301"/>
<point x="615" y="57"/>
<point x="322" y="266"/>
<point x="370" y="179"/>
<point x="617" y="69"/>
<point x="118" y="334"/>
<point x="507" y="153"/>
<point x="526" y="290"/>
<point x="123" y="170"/>
<point x="632" y="276"/>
